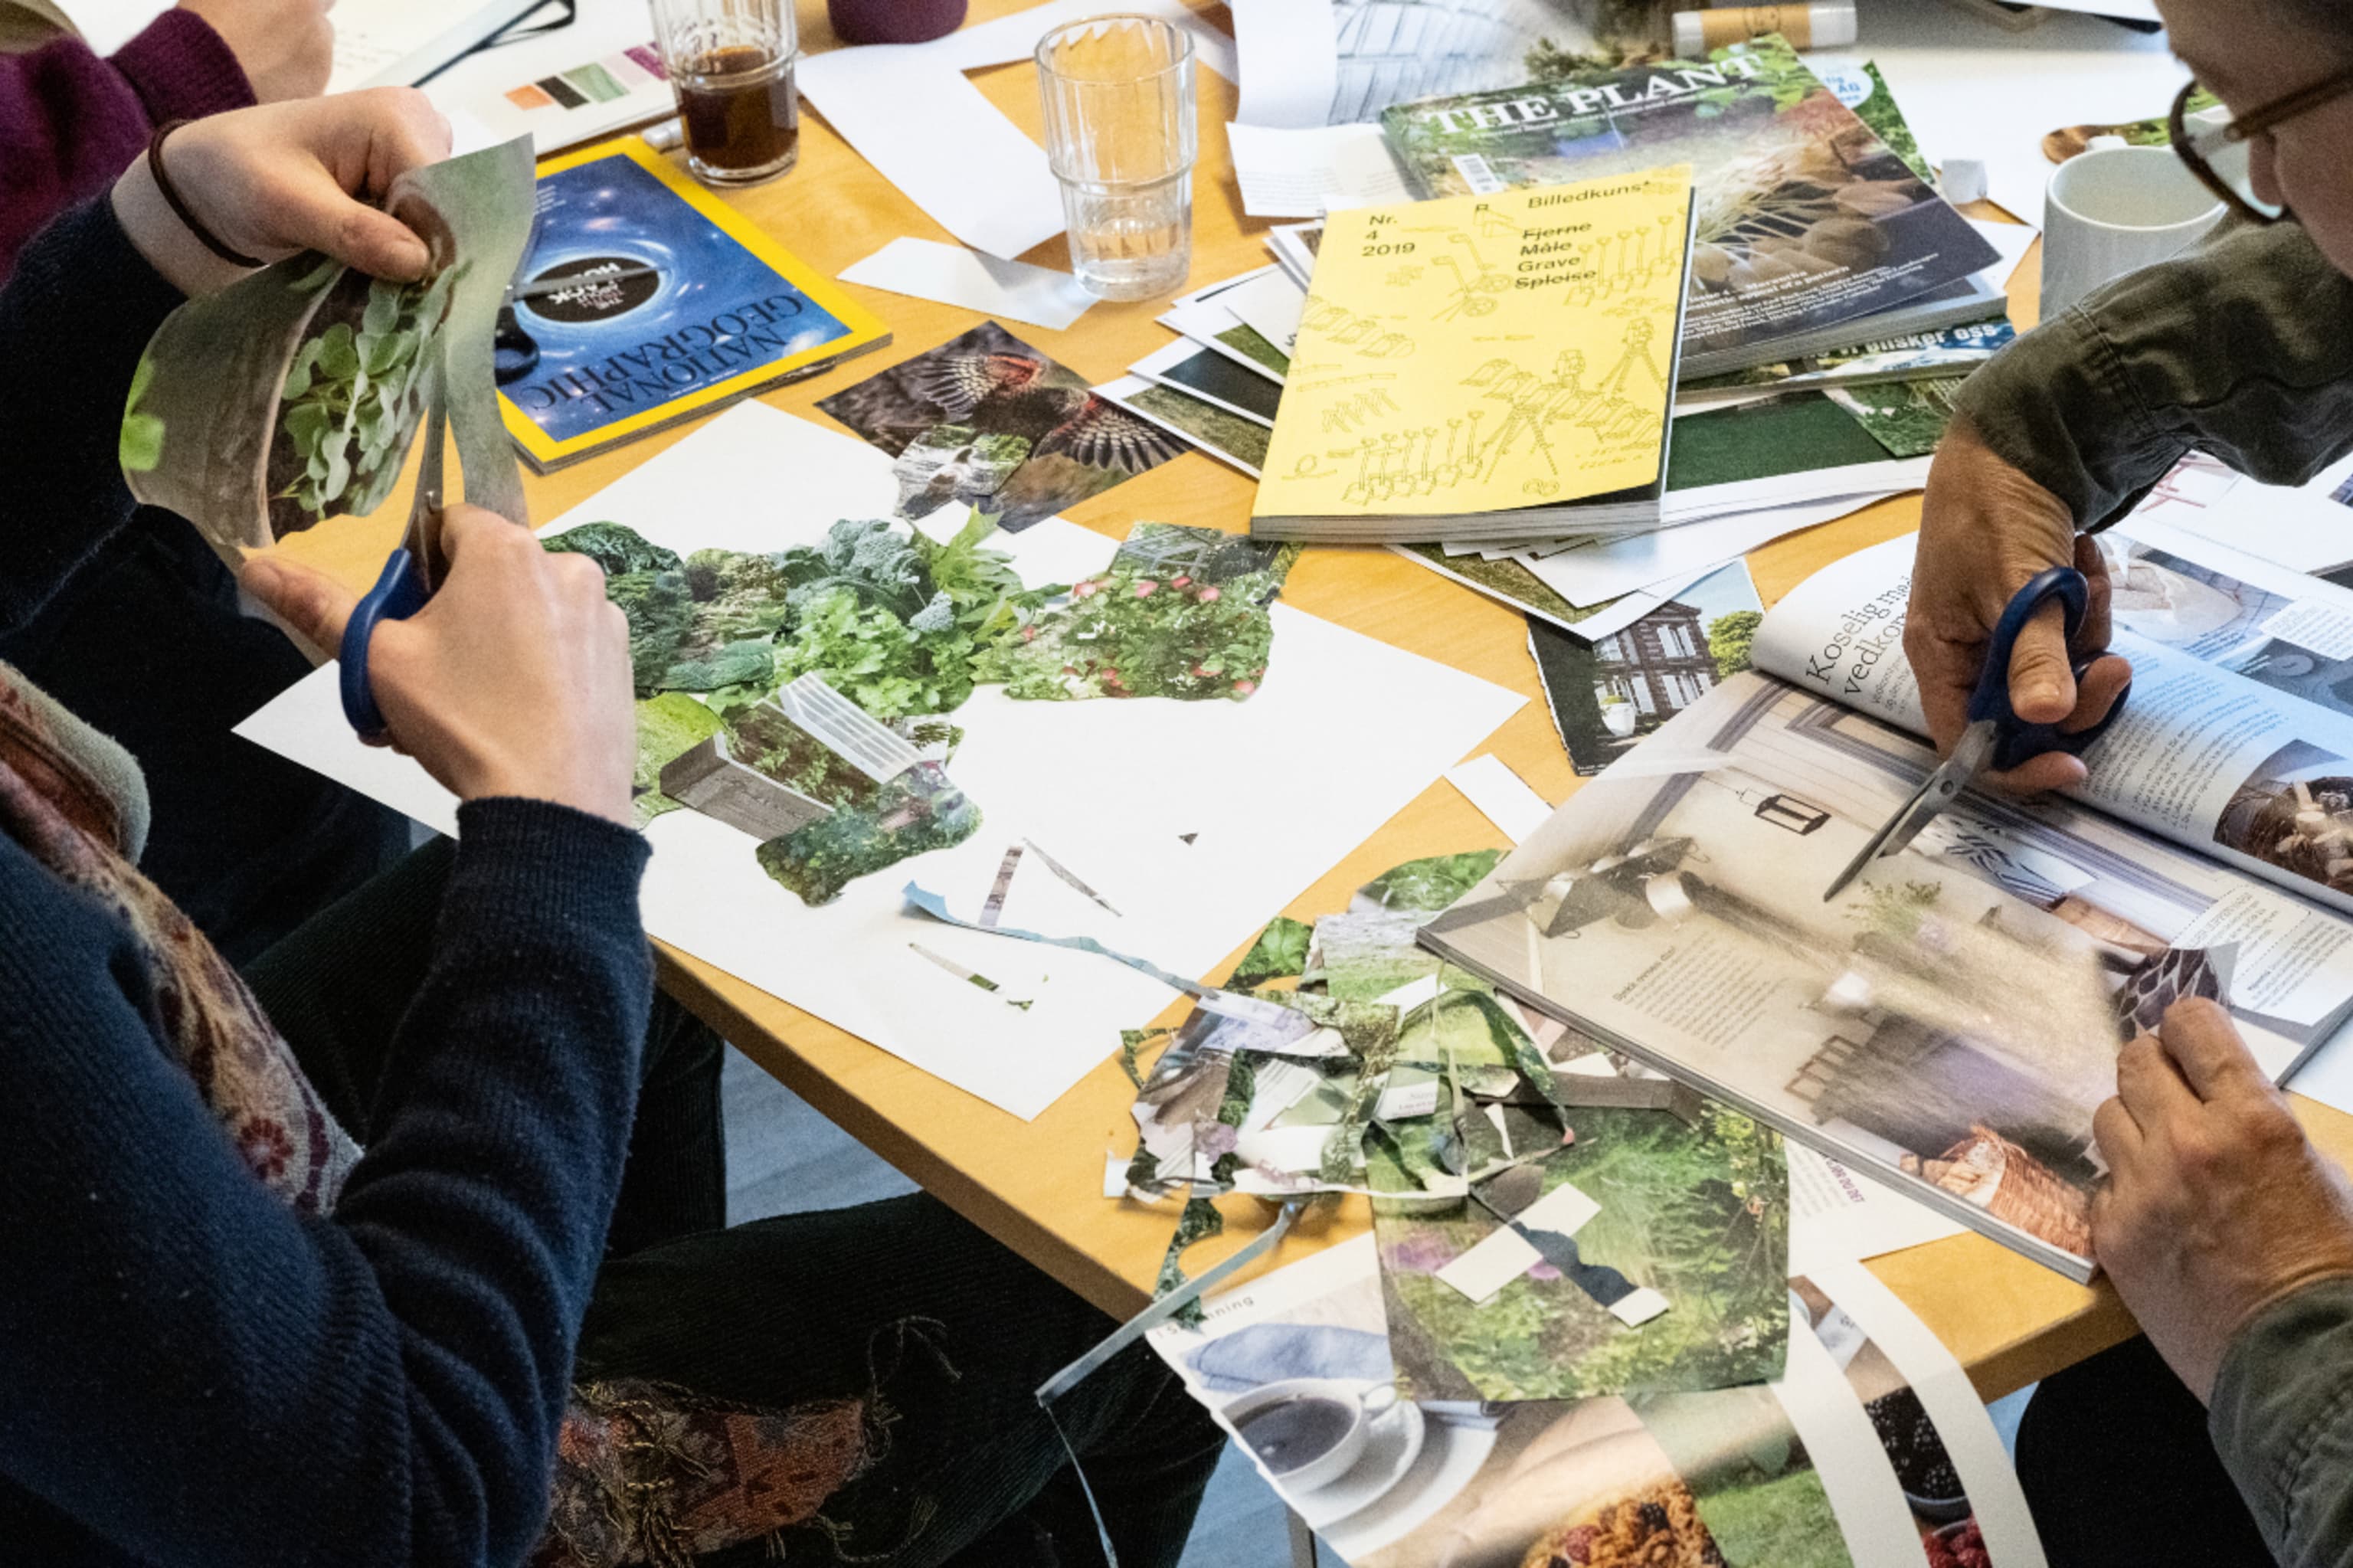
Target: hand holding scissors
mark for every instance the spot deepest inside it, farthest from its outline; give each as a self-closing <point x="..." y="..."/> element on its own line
<point x="1996" y="738"/>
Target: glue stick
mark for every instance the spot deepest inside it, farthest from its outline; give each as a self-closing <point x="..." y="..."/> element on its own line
<point x="1820" y="25"/>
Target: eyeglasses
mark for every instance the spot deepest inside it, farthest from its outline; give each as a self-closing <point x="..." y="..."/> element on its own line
<point x="2213" y="141"/>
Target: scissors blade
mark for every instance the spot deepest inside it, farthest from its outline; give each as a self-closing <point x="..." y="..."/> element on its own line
<point x="423" y="540"/>
<point x="1936" y="792"/>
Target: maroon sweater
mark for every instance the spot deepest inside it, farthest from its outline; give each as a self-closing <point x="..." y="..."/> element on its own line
<point x="69" y="122"/>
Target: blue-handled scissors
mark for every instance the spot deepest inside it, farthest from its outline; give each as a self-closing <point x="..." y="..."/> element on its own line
<point x="406" y="583"/>
<point x="1996" y="736"/>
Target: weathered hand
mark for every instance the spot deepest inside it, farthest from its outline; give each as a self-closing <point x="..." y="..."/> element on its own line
<point x="1986" y="529"/>
<point x="284" y="177"/>
<point x="513" y="680"/>
<point x="2216" y="1204"/>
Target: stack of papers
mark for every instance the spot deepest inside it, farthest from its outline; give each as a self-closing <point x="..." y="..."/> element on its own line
<point x="1218" y="384"/>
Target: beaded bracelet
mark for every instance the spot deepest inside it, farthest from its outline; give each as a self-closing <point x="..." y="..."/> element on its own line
<point x="180" y="208"/>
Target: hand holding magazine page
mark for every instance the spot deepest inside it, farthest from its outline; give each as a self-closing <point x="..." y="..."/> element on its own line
<point x="1949" y="1022"/>
<point x="293" y="394"/>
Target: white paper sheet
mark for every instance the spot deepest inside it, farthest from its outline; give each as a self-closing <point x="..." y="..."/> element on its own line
<point x="1638" y="1307"/>
<point x="1592" y="572"/>
<point x="1288" y="56"/>
<point x="1971" y="89"/>
<point x="1306" y="173"/>
<point x="2135" y="10"/>
<point x="2304" y="528"/>
<point x="1270" y="306"/>
<point x="1613" y="617"/>
<point x="1847" y="1454"/>
<point x="1203" y="323"/>
<point x="1946" y="1392"/>
<point x="1273" y="791"/>
<point x="1837" y="1215"/>
<point x="394" y="43"/>
<point x="1502" y="796"/>
<point x="2012" y="239"/>
<point x="927" y="269"/>
<point x="996" y="194"/>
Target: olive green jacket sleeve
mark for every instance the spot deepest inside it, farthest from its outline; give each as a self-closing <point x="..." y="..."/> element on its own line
<point x="2243" y="350"/>
<point x="2282" y="1420"/>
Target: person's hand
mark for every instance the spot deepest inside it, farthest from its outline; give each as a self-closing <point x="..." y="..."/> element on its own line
<point x="1986" y="530"/>
<point x="2216" y="1206"/>
<point x="287" y="177"/>
<point x="287" y="48"/>
<point x="514" y="678"/>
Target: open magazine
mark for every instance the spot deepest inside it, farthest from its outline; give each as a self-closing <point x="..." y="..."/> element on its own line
<point x="1950" y="1020"/>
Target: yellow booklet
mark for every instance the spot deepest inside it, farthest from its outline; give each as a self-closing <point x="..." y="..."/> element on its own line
<point x="679" y="307"/>
<point x="1474" y="366"/>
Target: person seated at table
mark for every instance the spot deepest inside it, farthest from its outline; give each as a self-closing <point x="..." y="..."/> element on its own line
<point x="147" y="642"/>
<point x="2228" y="1236"/>
<point x="70" y="121"/>
<point x="380" y="1255"/>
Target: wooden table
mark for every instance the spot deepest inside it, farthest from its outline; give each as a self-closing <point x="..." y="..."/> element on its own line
<point x="1036" y="1187"/>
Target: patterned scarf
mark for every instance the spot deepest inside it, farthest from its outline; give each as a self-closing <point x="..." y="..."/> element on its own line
<point x="646" y="1474"/>
<point x="75" y="801"/>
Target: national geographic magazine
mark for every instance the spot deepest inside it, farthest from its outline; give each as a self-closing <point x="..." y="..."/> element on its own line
<point x="681" y="308"/>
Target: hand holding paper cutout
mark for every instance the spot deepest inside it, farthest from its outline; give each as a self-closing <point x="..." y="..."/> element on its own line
<point x="289" y="177"/>
<point x="293" y="394"/>
<point x="514" y="680"/>
<point x="2217" y="1206"/>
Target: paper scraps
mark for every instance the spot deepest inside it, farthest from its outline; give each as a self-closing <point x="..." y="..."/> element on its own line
<point x="1502" y="796"/>
<point x="927" y="269"/>
<point x="1525" y="1235"/>
<point x="1306" y="173"/>
<point x="924" y="902"/>
<point x="1511" y="1251"/>
<point x="968" y="976"/>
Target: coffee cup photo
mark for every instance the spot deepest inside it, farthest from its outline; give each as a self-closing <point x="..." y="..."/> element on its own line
<point x="1309" y="1432"/>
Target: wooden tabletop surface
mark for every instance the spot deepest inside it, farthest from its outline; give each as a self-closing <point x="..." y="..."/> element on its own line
<point x="1036" y="1186"/>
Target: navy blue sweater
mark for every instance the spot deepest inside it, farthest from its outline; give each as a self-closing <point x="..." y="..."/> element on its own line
<point x="190" y="1373"/>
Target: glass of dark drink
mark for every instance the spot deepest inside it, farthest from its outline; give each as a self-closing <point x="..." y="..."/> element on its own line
<point x="730" y="64"/>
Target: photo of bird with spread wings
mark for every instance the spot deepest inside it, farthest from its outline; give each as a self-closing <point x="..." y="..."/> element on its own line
<point x="987" y="422"/>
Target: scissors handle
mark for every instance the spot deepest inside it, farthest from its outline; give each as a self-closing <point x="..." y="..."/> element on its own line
<point x="398" y="594"/>
<point x="2015" y="740"/>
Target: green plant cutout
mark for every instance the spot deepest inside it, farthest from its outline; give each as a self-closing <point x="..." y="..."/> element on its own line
<point x="1730" y="639"/>
<point x="141" y="446"/>
<point x="352" y="395"/>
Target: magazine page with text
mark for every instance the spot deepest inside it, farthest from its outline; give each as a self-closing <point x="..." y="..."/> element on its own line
<point x="1947" y="1023"/>
<point x="2234" y="741"/>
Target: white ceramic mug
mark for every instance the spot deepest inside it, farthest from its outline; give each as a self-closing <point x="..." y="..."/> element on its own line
<point x="2114" y="210"/>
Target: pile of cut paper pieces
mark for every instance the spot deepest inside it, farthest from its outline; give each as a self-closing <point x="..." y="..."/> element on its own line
<point x="1592" y="1303"/>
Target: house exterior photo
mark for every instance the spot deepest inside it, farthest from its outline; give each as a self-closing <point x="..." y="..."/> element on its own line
<point x="1661" y="664"/>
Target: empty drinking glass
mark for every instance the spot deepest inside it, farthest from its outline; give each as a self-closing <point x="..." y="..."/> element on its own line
<point x="1120" y="136"/>
<point x="730" y="64"/>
